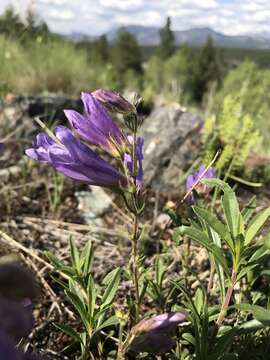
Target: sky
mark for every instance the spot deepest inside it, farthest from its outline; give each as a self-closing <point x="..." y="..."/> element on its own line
<point x="95" y="17"/>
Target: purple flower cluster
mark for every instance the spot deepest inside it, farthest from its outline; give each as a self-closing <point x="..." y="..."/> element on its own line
<point x="200" y="188"/>
<point x="69" y="151"/>
<point x="155" y="335"/>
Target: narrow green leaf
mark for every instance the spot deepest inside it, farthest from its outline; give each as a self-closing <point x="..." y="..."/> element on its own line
<point x="91" y="291"/>
<point x="259" y="254"/>
<point x="60" y="282"/>
<point x="267" y="241"/>
<point x="109" y="322"/>
<point x="256" y="225"/>
<point x="76" y="288"/>
<point x="88" y="257"/>
<point x="75" y="257"/>
<point x="143" y="289"/>
<point x="215" y="224"/>
<point x="199" y="300"/>
<point x="201" y="238"/>
<point x="220" y="272"/>
<point x="245" y="270"/>
<point x="261" y="314"/>
<point x="68" y="330"/>
<point x="79" y="306"/>
<point x="230" y="206"/>
<point x="54" y="260"/>
<point x="112" y="282"/>
<point x="153" y="290"/>
<point x="189" y="338"/>
<point x="160" y="270"/>
<point x="248" y="211"/>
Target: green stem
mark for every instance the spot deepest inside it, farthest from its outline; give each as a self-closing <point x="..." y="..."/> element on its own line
<point x="211" y="278"/>
<point x="135" y="271"/>
<point x="120" y="355"/>
<point x="226" y="302"/>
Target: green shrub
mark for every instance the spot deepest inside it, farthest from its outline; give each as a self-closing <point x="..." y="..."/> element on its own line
<point x="53" y="66"/>
<point x="251" y="85"/>
<point x="233" y="131"/>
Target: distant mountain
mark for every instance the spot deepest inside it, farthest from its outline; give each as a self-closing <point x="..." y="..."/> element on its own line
<point x="145" y="35"/>
<point x="78" y="36"/>
<point x="149" y="36"/>
<point x="195" y="37"/>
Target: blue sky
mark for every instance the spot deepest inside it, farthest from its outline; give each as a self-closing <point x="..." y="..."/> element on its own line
<point x="94" y="17"/>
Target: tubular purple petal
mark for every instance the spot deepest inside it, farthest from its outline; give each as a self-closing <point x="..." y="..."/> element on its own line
<point x="74" y="159"/>
<point x="96" y="126"/>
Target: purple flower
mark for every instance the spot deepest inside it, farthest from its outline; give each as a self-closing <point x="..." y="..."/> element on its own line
<point x="71" y="154"/>
<point x="74" y="159"/>
<point x="201" y="188"/>
<point x="113" y="101"/>
<point x="2" y="146"/>
<point x="96" y="126"/>
<point x="155" y="335"/>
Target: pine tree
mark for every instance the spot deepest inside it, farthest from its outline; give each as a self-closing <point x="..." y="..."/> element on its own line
<point x="101" y="49"/>
<point x="10" y="23"/>
<point x="206" y="71"/>
<point x="126" y="53"/>
<point x="167" y="41"/>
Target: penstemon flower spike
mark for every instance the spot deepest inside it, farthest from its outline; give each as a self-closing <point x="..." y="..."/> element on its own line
<point x="69" y="152"/>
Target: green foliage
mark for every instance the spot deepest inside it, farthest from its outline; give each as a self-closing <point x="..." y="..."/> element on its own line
<point x="169" y="79"/>
<point x="54" y="66"/>
<point x="12" y="26"/>
<point x="234" y="132"/>
<point x="250" y="85"/>
<point x="126" y="54"/>
<point x="236" y="235"/>
<point x="167" y="42"/>
<point x="206" y="71"/>
<point x="91" y="302"/>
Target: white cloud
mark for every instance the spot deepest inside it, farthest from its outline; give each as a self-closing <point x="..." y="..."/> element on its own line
<point x="98" y="16"/>
<point x="65" y="14"/>
<point x="121" y="4"/>
<point x="52" y="2"/>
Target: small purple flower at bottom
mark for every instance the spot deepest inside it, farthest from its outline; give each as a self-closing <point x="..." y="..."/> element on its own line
<point x="74" y="159"/>
<point x="155" y="335"/>
<point x="2" y="145"/>
<point x="200" y="188"/>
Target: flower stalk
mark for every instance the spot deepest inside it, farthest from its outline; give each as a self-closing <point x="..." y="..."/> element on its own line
<point x="227" y="299"/>
<point x="135" y="270"/>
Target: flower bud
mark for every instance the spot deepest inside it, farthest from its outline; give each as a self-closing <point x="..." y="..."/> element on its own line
<point x="113" y="101"/>
<point x="155" y="335"/>
<point x="200" y="188"/>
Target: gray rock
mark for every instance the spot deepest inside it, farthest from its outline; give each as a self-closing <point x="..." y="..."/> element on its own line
<point x="172" y="142"/>
<point x="17" y="112"/>
<point x="93" y="204"/>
